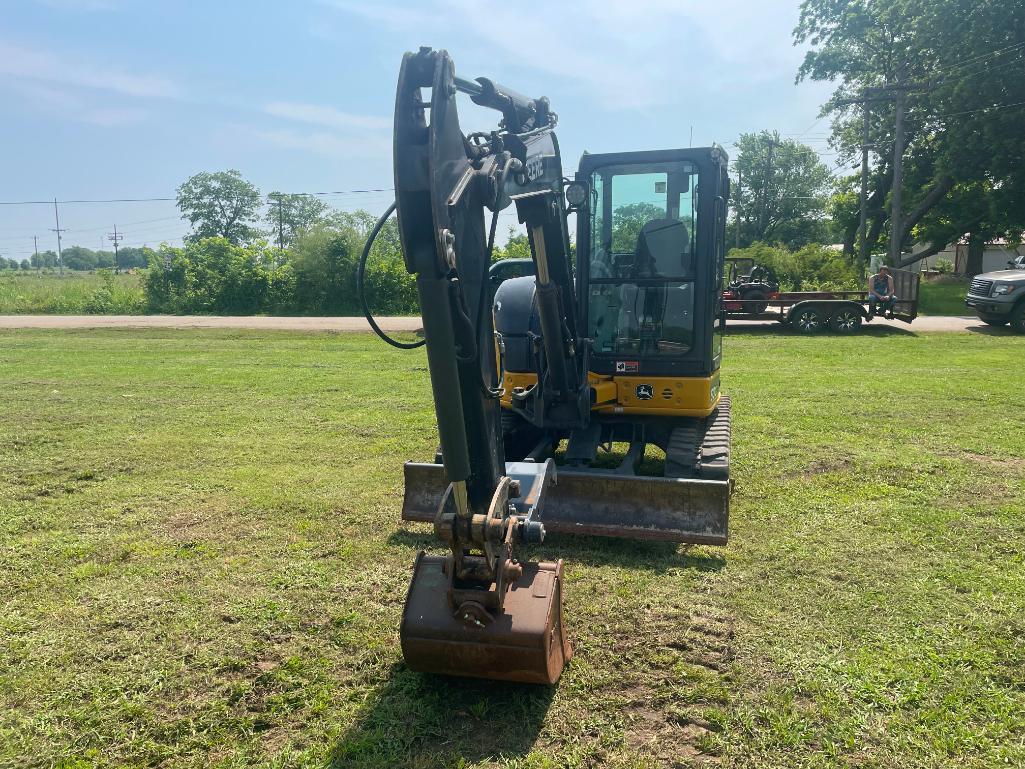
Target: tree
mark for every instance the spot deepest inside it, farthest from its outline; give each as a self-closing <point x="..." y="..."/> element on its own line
<point x="130" y="257"/>
<point x="516" y="247"/>
<point x="78" y="258"/>
<point x="325" y="268"/>
<point x="782" y="192"/>
<point x="44" y="260"/>
<point x="960" y="68"/>
<point x="627" y="222"/>
<point x="292" y="216"/>
<point x="220" y="204"/>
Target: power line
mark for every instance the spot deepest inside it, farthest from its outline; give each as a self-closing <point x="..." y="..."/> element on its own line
<point x="959" y="65"/>
<point x="65" y="202"/>
<point x="981" y="109"/>
<point x="158" y="200"/>
<point x="995" y="67"/>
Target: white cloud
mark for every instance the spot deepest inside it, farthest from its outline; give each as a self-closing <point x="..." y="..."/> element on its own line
<point x="71" y="106"/>
<point x="321" y="143"/>
<point x="628" y="55"/>
<point x="387" y="15"/>
<point x="34" y="65"/>
<point x="79" y="5"/>
<point x="348" y="135"/>
<point x="113" y="116"/>
<point x="326" y="116"/>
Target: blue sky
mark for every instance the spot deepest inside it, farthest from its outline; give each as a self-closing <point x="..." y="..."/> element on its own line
<point x="127" y="98"/>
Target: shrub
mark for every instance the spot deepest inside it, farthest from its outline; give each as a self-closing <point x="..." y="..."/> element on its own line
<point x="215" y="276"/>
<point x="812" y="268"/>
<point x="944" y="266"/>
<point x="325" y="265"/>
<point x="316" y="277"/>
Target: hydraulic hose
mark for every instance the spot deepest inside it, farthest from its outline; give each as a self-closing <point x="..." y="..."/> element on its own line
<point x="361" y="273"/>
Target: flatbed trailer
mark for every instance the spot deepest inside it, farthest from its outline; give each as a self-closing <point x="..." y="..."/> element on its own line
<point x="841" y="311"/>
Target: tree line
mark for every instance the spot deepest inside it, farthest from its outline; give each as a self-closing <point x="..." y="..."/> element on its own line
<point x="227" y="265"/>
<point x="81" y="258"/>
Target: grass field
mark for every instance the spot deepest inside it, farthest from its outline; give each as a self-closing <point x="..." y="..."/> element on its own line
<point x="74" y="293"/>
<point x="943" y="297"/>
<point x="203" y="565"/>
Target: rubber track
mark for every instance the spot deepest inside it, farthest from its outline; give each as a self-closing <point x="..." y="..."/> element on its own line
<point x="714" y="461"/>
<point x="701" y="449"/>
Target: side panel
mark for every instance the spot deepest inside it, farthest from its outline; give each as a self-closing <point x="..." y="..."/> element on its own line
<point x="666" y="396"/>
<point x="693" y="396"/>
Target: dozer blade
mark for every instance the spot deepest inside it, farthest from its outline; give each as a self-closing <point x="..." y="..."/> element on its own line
<point x="597" y="503"/>
<point x="526" y="642"/>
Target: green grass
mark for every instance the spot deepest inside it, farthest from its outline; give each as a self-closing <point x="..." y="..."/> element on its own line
<point x="944" y="296"/>
<point x="203" y="565"/>
<point x="74" y="293"/>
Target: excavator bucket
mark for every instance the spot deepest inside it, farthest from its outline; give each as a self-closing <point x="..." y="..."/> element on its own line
<point x="604" y="504"/>
<point x="526" y="642"/>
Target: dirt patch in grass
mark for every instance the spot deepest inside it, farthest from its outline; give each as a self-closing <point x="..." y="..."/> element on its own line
<point x="1010" y="464"/>
<point x="670" y="733"/>
<point x="822" y="466"/>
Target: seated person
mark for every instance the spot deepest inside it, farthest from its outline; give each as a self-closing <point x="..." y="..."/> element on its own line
<point x="663" y="247"/>
<point x="880" y="293"/>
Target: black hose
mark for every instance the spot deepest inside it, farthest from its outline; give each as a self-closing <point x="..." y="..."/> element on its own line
<point x="360" y="274"/>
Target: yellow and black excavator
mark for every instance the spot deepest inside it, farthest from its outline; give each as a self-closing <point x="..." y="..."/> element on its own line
<point x="536" y="384"/>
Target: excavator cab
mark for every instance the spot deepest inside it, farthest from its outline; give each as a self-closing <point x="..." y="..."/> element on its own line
<point x="540" y="380"/>
<point x="650" y="260"/>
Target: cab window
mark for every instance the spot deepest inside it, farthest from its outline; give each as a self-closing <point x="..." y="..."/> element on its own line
<point x="642" y="258"/>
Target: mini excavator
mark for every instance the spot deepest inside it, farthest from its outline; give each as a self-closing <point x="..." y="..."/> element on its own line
<point x="538" y="381"/>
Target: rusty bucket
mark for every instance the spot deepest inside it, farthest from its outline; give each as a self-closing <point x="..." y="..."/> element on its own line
<point x="524" y="642"/>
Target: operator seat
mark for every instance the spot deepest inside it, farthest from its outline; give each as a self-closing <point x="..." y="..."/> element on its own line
<point x="663" y="250"/>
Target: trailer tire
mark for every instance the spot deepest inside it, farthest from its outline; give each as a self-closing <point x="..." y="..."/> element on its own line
<point x="755" y="296"/>
<point x="846" y="320"/>
<point x="807" y="320"/>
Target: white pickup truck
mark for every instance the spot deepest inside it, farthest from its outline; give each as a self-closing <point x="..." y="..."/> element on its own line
<point x="998" y="298"/>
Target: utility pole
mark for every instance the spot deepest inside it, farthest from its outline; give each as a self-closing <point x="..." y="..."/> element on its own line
<point x="115" y="238"/>
<point x="898" y="92"/>
<point x="35" y="251"/>
<point x="281" y="229"/>
<point x="58" y="230"/>
<point x="765" y="189"/>
<point x="740" y="187"/>
<point x="896" y="225"/>
<point x="863" y="223"/>
<point x="281" y="224"/>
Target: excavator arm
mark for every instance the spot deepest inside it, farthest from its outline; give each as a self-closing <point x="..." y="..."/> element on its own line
<point x="478" y="611"/>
